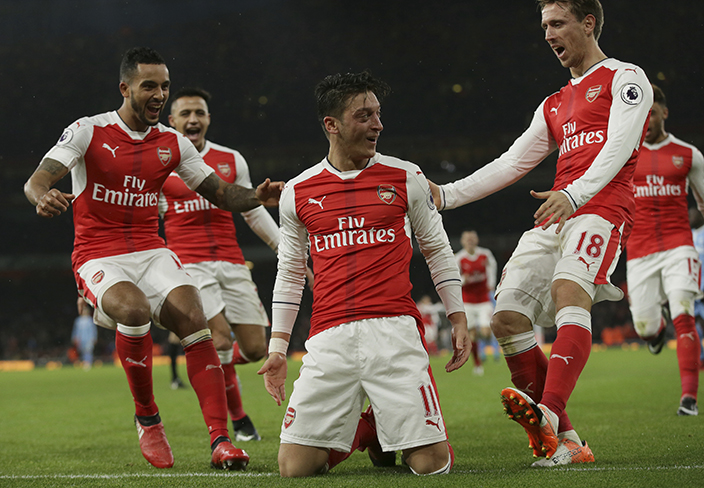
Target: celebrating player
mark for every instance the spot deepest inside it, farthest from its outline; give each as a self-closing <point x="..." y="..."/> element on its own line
<point x="663" y="264"/>
<point x="478" y="271"/>
<point x="204" y="238"/>
<point x="597" y="123"/>
<point x="356" y="211"/>
<point x="119" y="161"/>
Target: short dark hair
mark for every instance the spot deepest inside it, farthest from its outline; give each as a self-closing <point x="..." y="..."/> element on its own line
<point x="191" y="92"/>
<point x="580" y="9"/>
<point x="135" y="56"/>
<point x="659" y="96"/>
<point x="334" y="92"/>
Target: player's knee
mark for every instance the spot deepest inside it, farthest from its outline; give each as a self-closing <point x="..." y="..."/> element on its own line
<point x="290" y="467"/>
<point x="129" y="311"/>
<point x="427" y="459"/>
<point x="221" y="341"/>
<point x="507" y="323"/>
<point x="647" y="322"/>
<point x="253" y="352"/>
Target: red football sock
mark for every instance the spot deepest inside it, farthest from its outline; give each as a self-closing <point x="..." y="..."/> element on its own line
<point x="688" y="350"/>
<point x="568" y="356"/>
<point x="232" y="391"/>
<point x="475" y="353"/>
<point x="207" y="380"/>
<point x="135" y="354"/>
<point x="237" y="357"/>
<point x="363" y="437"/>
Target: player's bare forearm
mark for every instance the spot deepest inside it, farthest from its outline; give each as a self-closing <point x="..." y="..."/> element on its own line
<point x="38" y="189"/>
<point x="230" y="197"/>
<point x="461" y="343"/>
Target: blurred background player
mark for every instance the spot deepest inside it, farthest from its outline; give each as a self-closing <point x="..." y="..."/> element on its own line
<point x="478" y="272"/>
<point x="205" y="239"/>
<point x="85" y="333"/>
<point x="430" y="316"/>
<point x="355" y="210"/>
<point x="663" y="265"/>
<point x="696" y="221"/>
<point x="174" y="350"/>
<point x="554" y="276"/>
<point x="119" y="161"/>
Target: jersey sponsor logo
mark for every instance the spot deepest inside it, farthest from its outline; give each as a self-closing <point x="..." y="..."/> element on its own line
<point x="386" y="193"/>
<point x="632" y="94"/>
<point x="576" y="141"/>
<point x="196" y="205"/>
<point x="123" y="197"/>
<point x="224" y="169"/>
<point x="164" y="154"/>
<point x="656" y="187"/>
<point x="678" y="161"/>
<point x="289" y="417"/>
<point x="105" y="145"/>
<point x="351" y="233"/>
<point x="592" y="93"/>
<point x="98" y="277"/>
<point x="65" y="137"/>
<point x="313" y="201"/>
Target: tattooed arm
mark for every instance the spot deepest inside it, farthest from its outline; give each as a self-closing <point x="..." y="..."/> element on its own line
<point x="236" y="198"/>
<point x="38" y="189"/>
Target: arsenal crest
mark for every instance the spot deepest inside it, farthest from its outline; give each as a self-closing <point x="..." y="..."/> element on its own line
<point x="164" y="154"/>
<point x="224" y="169"/>
<point x="592" y="93"/>
<point x="678" y="161"/>
<point x="98" y="277"/>
<point x="289" y="417"/>
<point x="386" y="193"/>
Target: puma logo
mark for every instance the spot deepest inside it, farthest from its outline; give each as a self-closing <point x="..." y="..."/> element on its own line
<point x="317" y="202"/>
<point x="586" y="263"/>
<point x="436" y="424"/>
<point x="554" y="109"/>
<point x="564" y="358"/>
<point x="212" y="366"/>
<point x="111" y="149"/>
<point x="527" y="389"/>
<point x="137" y="363"/>
<point x="688" y="334"/>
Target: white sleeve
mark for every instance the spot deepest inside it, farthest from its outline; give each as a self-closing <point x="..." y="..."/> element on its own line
<point x="696" y="178"/>
<point x="293" y="253"/>
<point x="73" y="143"/>
<point x="192" y="169"/>
<point x="433" y="242"/>
<point x="632" y="100"/>
<point x="258" y="219"/>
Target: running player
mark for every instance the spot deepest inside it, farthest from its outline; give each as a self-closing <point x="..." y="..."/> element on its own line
<point x="118" y="162"/>
<point x="204" y="238"/>
<point x="356" y="210"/>
<point x="663" y="264"/>
<point x="555" y="275"/>
<point x="478" y="271"/>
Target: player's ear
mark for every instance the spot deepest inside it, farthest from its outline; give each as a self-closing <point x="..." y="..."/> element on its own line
<point x="665" y="113"/>
<point x="589" y="23"/>
<point x="171" y="121"/>
<point x="125" y="89"/>
<point x="331" y="125"/>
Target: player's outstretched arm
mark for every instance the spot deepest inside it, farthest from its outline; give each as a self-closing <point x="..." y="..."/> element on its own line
<point x="38" y="189"/>
<point x="460" y="341"/>
<point x="275" y="369"/>
<point x="556" y="208"/>
<point x="236" y="198"/>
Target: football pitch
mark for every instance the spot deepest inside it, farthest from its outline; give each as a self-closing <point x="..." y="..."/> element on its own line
<point x="69" y="427"/>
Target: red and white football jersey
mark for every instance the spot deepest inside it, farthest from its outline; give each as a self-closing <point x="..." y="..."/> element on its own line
<point x="117" y="174"/>
<point x="358" y="227"/>
<point x="660" y="185"/>
<point x="478" y="273"/>
<point x="597" y="122"/>
<point x="197" y="230"/>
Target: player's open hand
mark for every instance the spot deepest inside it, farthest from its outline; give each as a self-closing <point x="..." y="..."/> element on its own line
<point x="54" y="202"/>
<point x="461" y="344"/>
<point x="556" y="209"/>
<point x="274" y="371"/>
<point x="269" y="192"/>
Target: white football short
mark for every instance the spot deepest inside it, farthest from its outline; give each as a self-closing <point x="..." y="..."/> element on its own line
<point x="382" y="359"/>
<point x="586" y="251"/>
<point x="156" y="272"/>
<point x="653" y="277"/>
<point x="478" y="315"/>
<point x="228" y="288"/>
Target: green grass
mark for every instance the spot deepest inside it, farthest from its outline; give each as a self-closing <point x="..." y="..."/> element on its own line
<point x="69" y="427"/>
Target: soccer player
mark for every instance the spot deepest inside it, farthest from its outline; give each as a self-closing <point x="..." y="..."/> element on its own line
<point x="356" y="210"/>
<point x="597" y="123"/>
<point x="204" y="238"/>
<point x="478" y="271"/>
<point x="663" y="264"/>
<point x="696" y="222"/>
<point x="84" y="334"/>
<point x="118" y="162"/>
